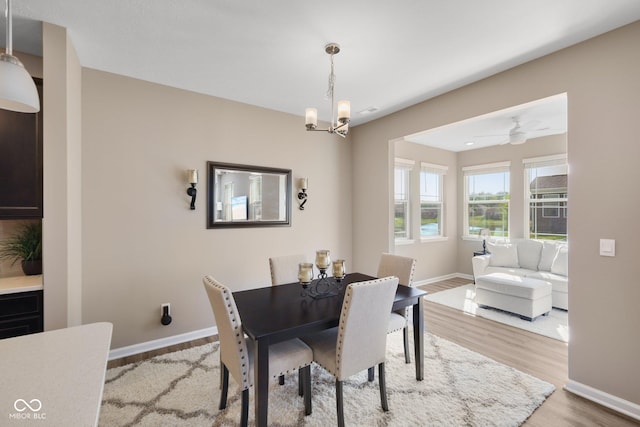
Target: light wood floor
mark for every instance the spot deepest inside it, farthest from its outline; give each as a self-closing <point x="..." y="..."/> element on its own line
<point x="537" y="355"/>
<point x="542" y="357"/>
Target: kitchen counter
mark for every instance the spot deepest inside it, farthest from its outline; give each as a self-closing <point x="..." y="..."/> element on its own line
<point x="55" y="377"/>
<point x="12" y="285"/>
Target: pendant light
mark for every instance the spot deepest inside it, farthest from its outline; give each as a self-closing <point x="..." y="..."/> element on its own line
<point x="339" y="126"/>
<point x="17" y="89"/>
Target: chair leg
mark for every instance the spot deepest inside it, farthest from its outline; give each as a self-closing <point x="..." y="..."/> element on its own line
<point x="383" y="388"/>
<point x="281" y="379"/>
<point x="407" y="356"/>
<point x="371" y="373"/>
<point x="339" y="403"/>
<point x="305" y="374"/>
<point x="221" y="372"/>
<point x="300" y="382"/>
<point x="224" y="384"/>
<point x="244" y="417"/>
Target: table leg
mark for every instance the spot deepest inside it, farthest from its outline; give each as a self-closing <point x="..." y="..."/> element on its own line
<point x="418" y="338"/>
<point x="261" y="381"/>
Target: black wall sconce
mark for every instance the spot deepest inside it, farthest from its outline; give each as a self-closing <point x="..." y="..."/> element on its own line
<point x="193" y="180"/>
<point x="302" y="195"/>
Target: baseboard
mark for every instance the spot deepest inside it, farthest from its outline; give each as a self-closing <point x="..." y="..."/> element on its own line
<point x="440" y="278"/>
<point x="130" y="350"/>
<point x="625" y="407"/>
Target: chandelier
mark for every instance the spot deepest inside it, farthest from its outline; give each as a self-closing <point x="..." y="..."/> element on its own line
<point x="340" y="125"/>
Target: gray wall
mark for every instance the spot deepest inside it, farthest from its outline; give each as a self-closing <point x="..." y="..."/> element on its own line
<point x="142" y="246"/>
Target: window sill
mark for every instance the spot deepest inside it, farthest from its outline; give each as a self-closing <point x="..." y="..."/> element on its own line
<point x="433" y="239"/>
<point x="403" y="242"/>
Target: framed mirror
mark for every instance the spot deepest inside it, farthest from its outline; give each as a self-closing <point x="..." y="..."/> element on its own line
<point x="247" y="196"/>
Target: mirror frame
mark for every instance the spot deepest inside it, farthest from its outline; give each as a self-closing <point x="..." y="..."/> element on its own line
<point x="212" y="167"/>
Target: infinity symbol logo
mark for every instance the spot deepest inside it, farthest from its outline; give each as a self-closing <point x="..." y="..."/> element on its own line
<point x="21" y="405"/>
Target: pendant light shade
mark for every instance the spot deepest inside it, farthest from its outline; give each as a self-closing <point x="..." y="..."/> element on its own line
<point x="17" y="89"/>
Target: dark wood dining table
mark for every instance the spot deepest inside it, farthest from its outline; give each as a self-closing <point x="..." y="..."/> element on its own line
<point x="278" y="313"/>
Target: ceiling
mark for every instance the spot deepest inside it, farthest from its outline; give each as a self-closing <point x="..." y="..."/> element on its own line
<point x="271" y="54"/>
<point x="536" y="119"/>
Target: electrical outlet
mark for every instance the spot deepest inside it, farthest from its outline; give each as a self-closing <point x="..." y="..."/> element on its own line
<point x="168" y="305"/>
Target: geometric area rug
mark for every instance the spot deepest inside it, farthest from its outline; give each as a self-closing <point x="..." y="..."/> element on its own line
<point x="460" y="388"/>
<point x="555" y="325"/>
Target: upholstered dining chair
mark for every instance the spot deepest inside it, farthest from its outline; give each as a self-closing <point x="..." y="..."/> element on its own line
<point x="237" y="358"/>
<point x="360" y="339"/>
<point x="284" y="269"/>
<point x="403" y="268"/>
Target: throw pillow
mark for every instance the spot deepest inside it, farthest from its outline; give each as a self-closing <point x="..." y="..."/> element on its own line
<point x="529" y="253"/>
<point x="503" y="255"/>
<point x="549" y="252"/>
<point x="560" y="264"/>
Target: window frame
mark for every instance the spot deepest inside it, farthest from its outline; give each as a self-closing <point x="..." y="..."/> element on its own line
<point x="407" y="167"/>
<point x="485" y="169"/>
<point x="440" y="171"/>
<point x="560" y="202"/>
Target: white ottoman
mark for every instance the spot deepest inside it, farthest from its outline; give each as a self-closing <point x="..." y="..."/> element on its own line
<point x="524" y="296"/>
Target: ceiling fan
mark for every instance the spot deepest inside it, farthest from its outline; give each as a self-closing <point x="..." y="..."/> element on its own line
<point x="519" y="134"/>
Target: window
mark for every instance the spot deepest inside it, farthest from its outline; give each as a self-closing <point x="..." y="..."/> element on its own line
<point x="546" y="197"/>
<point x="487" y="199"/>
<point x="402" y="196"/>
<point x="431" y="200"/>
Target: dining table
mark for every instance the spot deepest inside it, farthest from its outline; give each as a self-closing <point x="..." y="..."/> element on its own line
<point x="278" y="313"/>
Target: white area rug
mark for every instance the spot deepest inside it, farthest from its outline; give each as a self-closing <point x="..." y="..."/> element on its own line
<point x="461" y="387"/>
<point x="556" y="325"/>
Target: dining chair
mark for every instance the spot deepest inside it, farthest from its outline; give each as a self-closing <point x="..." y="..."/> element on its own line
<point x="236" y="357"/>
<point x="360" y="339"/>
<point x="284" y="269"/>
<point x="403" y="268"/>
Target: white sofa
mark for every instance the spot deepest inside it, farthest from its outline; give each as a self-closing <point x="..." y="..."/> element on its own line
<point x="529" y="258"/>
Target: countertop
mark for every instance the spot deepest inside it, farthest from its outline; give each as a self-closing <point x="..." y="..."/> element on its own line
<point x="12" y="285"/>
<point x="55" y="377"/>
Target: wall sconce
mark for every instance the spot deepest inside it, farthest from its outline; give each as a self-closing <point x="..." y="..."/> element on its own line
<point x="302" y="195"/>
<point x="193" y="180"/>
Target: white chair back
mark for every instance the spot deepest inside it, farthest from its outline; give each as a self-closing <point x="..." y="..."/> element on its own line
<point x="400" y="266"/>
<point x="233" y="347"/>
<point x="284" y="269"/>
<point x="362" y="336"/>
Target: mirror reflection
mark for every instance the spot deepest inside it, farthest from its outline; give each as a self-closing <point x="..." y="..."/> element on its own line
<point x="242" y="195"/>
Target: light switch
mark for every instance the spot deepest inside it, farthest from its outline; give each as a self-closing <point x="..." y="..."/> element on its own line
<point x="607" y="247"/>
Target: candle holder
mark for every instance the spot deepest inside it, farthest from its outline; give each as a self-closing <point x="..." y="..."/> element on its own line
<point x="324" y="286"/>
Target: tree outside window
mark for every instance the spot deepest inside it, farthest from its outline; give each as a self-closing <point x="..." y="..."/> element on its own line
<point x="487" y="196"/>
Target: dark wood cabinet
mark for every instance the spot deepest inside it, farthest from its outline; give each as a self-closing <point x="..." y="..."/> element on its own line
<point x="21" y="163"/>
<point x="21" y="314"/>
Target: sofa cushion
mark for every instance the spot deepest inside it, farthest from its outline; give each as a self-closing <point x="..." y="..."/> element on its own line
<point x="547" y="255"/>
<point x="560" y="262"/>
<point x="559" y="283"/>
<point x="529" y="253"/>
<point x="503" y="255"/>
<point x="508" y="270"/>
